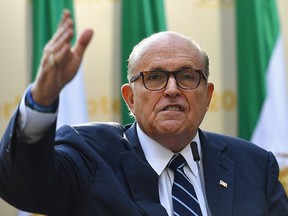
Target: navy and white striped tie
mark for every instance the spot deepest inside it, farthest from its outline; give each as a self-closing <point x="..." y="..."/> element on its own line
<point x="184" y="198"/>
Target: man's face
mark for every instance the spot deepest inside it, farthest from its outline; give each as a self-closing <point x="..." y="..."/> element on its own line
<point x="172" y="111"/>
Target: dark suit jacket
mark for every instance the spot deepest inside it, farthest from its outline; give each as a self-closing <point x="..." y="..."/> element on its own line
<point x="100" y="169"/>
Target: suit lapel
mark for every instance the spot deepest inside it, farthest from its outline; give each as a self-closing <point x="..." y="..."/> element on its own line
<point x="141" y="178"/>
<point x="219" y="177"/>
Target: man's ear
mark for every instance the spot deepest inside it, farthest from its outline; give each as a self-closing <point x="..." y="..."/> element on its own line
<point x="209" y="93"/>
<point x="127" y="95"/>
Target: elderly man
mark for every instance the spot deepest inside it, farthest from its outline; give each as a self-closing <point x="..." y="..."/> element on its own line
<point x="163" y="164"/>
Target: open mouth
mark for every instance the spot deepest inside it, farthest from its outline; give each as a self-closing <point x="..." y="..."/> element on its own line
<point x="173" y="108"/>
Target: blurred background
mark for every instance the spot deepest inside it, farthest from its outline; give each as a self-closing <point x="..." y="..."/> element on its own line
<point x="213" y="23"/>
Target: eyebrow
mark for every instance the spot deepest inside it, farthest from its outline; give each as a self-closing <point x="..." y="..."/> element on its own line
<point x="158" y="68"/>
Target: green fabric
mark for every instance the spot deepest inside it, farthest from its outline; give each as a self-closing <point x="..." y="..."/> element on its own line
<point x="46" y="15"/>
<point x="257" y="32"/>
<point x="140" y="18"/>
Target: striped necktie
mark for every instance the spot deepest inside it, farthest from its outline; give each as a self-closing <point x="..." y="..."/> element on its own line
<point x="184" y="198"/>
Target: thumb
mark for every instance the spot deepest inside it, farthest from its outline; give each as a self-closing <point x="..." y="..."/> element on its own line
<point x="82" y="42"/>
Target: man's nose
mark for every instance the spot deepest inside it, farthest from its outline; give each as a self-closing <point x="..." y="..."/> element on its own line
<point x="172" y="89"/>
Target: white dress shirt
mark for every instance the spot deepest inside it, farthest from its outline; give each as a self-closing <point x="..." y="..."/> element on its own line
<point x="31" y="123"/>
<point x="158" y="157"/>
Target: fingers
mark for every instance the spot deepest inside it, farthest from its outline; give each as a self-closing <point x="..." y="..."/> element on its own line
<point x="62" y="46"/>
<point x="60" y="42"/>
<point x="65" y="15"/>
<point x="66" y="24"/>
<point x="57" y="48"/>
<point x="55" y="58"/>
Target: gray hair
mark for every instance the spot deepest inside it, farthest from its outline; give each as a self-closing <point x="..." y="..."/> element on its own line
<point x="140" y="49"/>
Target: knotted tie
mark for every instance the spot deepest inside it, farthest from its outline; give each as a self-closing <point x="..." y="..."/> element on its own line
<point x="184" y="198"/>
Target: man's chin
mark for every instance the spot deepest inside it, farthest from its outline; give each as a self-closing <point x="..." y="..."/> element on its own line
<point x="171" y="126"/>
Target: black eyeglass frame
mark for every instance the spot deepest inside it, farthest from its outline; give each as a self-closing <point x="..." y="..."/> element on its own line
<point x="168" y="74"/>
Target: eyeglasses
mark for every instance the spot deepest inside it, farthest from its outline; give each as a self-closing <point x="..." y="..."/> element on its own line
<point x="157" y="80"/>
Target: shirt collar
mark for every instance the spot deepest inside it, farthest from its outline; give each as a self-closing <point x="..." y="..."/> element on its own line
<point x="158" y="156"/>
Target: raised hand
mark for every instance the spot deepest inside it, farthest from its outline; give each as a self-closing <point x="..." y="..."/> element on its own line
<point x="60" y="61"/>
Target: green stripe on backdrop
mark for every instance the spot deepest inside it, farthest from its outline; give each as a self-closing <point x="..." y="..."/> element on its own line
<point x="45" y="17"/>
<point x="257" y="31"/>
<point x="140" y="18"/>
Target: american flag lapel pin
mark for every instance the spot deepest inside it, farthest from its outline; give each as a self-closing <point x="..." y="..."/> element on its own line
<point x="223" y="184"/>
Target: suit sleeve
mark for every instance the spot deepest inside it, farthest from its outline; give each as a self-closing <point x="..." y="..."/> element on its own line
<point x="26" y="169"/>
<point x="277" y="198"/>
<point x="47" y="176"/>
